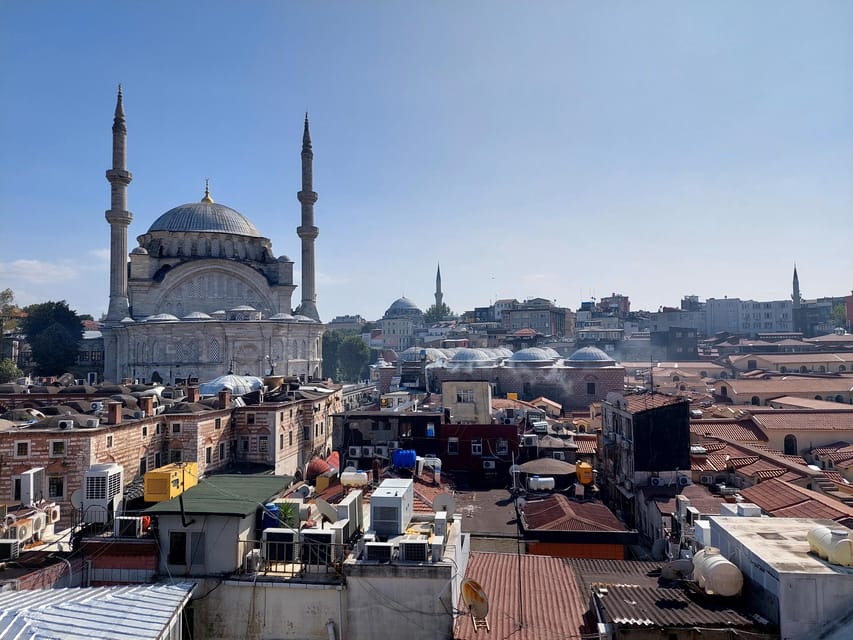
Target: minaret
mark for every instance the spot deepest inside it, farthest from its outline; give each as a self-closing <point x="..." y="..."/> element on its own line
<point x="119" y="217"/>
<point x="439" y="296"/>
<point x="796" y="297"/>
<point x="307" y="231"/>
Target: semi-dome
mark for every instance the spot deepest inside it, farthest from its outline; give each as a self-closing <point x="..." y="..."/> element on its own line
<point x="206" y="216"/>
<point x="402" y="306"/>
<point x="590" y="355"/>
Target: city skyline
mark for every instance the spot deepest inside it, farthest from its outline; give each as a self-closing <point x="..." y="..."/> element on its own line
<point x="546" y="150"/>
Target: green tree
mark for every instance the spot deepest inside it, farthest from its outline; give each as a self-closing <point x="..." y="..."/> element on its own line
<point x="8" y="309"/>
<point x="9" y="371"/>
<point x="838" y="315"/>
<point x="354" y="356"/>
<point x="437" y="313"/>
<point x="331" y="345"/>
<point x="53" y="331"/>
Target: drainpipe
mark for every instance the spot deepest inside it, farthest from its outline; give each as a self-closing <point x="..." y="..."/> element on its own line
<point x="330" y="627"/>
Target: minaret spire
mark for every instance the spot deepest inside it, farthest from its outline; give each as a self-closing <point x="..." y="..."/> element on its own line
<point x="439" y="296"/>
<point x="796" y="296"/>
<point x="118" y="216"/>
<point x="307" y="232"/>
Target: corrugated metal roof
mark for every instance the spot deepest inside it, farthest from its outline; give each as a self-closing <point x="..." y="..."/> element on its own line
<point x="228" y="495"/>
<point x="552" y="606"/>
<point x="105" y="613"/>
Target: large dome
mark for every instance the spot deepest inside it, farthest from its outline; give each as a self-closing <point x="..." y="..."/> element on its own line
<point x="205" y="216"/>
<point x="402" y="307"/>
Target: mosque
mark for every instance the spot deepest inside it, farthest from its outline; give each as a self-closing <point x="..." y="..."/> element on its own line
<point x="203" y="293"/>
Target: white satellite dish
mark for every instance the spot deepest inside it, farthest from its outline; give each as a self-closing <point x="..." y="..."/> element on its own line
<point x="444" y="502"/>
<point x="326" y="510"/>
<point x="475" y="598"/>
<point x="77" y="499"/>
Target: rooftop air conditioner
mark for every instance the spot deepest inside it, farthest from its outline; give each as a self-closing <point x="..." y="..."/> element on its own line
<point x="127" y="527"/>
<point x="9" y="550"/>
<point x="92" y="423"/>
<point x="65" y="424"/>
<point x="394" y="444"/>
<point x="707" y="478"/>
<point x="655" y="482"/>
<point x="22" y="530"/>
<point x="39" y="523"/>
<point x="317" y="546"/>
<point x="530" y="440"/>
<point x="103" y="487"/>
<point x="354" y="451"/>
<point x="367" y="452"/>
<point x="381" y="451"/>
<point x="280" y="545"/>
<point x="415" y="549"/>
<point x="489" y="465"/>
<point x="379" y="551"/>
<point x="683" y="481"/>
<point x="558" y="455"/>
<point x="96" y="406"/>
<point x="32" y="486"/>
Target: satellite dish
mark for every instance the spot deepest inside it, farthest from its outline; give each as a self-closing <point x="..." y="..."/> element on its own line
<point x="77" y="499"/>
<point x="350" y="469"/>
<point x="444" y="502"/>
<point x="326" y="510"/>
<point x="475" y="598"/>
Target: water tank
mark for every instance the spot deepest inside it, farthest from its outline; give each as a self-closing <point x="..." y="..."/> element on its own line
<point x="536" y="483"/>
<point x="584" y="473"/>
<point x="354" y="478"/>
<point x="833" y="545"/>
<point x="715" y="574"/>
<point x="403" y="458"/>
<point x="271" y="518"/>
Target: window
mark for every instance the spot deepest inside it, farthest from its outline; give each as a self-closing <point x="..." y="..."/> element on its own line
<point x="263" y="444"/>
<point x="244" y="444"/>
<point x="177" y="547"/>
<point x="502" y="447"/>
<point x="143" y="466"/>
<point x="176" y="427"/>
<point x="158" y="429"/>
<point x="208" y="455"/>
<point x="250" y="418"/>
<point x="590" y="388"/>
<point x="55" y="487"/>
<point x="176" y="455"/>
<point x="221" y="451"/>
<point x="281" y="441"/>
<point x="453" y="446"/>
<point x="791" y="445"/>
<point x="217" y="424"/>
<point x="57" y="448"/>
<point x="109" y="441"/>
<point x="145" y="431"/>
<point x="22" y="449"/>
<point x="158" y="460"/>
<point x="477" y="447"/>
<point x="465" y="395"/>
<point x="196" y="547"/>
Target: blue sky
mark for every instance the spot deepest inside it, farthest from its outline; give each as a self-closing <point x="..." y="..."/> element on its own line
<point x="562" y="150"/>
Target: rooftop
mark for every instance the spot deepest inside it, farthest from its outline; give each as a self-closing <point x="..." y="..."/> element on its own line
<point x="226" y="495"/>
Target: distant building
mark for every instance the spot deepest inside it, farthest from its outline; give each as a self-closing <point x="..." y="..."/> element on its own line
<point x="346" y="323"/>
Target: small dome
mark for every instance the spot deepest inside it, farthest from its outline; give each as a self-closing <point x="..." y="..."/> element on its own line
<point x="474" y="357"/>
<point x="218" y="314"/>
<point x="161" y="317"/>
<point x="243" y="307"/>
<point x="204" y="216"/>
<point x="196" y="315"/>
<point x="127" y="320"/>
<point x="301" y="318"/>
<point x="282" y="317"/>
<point x="412" y="354"/>
<point x="590" y="354"/>
<point x="552" y="353"/>
<point x="238" y="385"/>
<point x="284" y="259"/>
<point x="531" y="354"/>
<point x="139" y="251"/>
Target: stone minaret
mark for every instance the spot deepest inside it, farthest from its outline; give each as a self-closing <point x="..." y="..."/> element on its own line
<point x="439" y="296"/>
<point x="795" y="296"/>
<point x="307" y="231"/>
<point x="119" y="217"/>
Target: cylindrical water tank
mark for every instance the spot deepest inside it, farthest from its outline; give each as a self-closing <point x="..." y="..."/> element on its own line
<point x="403" y="458"/>
<point x="271" y="518"/>
<point x="354" y="478"/>
<point x="819" y="539"/>
<point x="536" y="483"/>
<point x="715" y="574"/>
<point x="833" y="545"/>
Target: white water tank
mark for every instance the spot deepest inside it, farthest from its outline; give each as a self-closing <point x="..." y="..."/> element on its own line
<point x="715" y="574"/>
<point x="354" y="478"/>
<point x="833" y="545"/>
<point x="535" y="483"/>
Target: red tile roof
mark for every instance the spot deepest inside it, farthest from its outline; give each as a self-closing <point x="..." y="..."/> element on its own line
<point x="645" y="401"/>
<point x="552" y="606"/>
<point x="783" y="499"/>
<point x="558" y="513"/>
<point x="805" y="419"/>
<point x="742" y="430"/>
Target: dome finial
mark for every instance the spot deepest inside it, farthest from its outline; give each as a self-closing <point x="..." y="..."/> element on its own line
<point x="207" y="197"/>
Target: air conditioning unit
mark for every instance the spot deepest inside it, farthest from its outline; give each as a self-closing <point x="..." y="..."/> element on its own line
<point x="96" y="406"/>
<point x="280" y="545"/>
<point x="655" y="482"/>
<point x="39" y="523"/>
<point x="9" y="550"/>
<point x="367" y="452"/>
<point x="379" y="551"/>
<point x="103" y="487"/>
<point x="54" y="514"/>
<point x="394" y="444"/>
<point x="32" y="486"/>
<point x="253" y="562"/>
<point x="354" y="451"/>
<point x="22" y="530"/>
<point x="381" y="451"/>
<point x="92" y="423"/>
<point x="707" y="478"/>
<point x="683" y="481"/>
<point x="65" y="424"/>
<point x="127" y="527"/>
<point x="530" y="440"/>
<point x="414" y="549"/>
<point x="392" y="506"/>
<point x="489" y="465"/>
<point x="558" y="455"/>
<point x="317" y="546"/>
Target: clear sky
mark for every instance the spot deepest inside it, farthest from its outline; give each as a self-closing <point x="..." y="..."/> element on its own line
<point x="535" y="149"/>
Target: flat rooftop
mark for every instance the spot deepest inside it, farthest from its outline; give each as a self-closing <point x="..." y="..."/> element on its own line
<point x="781" y="542"/>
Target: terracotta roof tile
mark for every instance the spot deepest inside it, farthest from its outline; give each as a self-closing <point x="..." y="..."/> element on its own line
<point x="806" y="419"/>
<point x="553" y="607"/>
<point x="783" y="499"/>
<point x="645" y="401"/>
<point x="558" y="513"/>
<point x="742" y="430"/>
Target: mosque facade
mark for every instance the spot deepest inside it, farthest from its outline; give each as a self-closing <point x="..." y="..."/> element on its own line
<point x="203" y="294"/>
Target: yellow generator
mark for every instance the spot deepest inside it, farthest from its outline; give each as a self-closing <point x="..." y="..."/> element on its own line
<point x="583" y="470"/>
<point x="165" y="483"/>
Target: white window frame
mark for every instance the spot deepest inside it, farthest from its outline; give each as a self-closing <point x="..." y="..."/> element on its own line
<point x="476" y="446"/>
<point x="453" y="446"/>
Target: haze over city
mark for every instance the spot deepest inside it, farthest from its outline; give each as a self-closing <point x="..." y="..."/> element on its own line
<point x="558" y="150"/>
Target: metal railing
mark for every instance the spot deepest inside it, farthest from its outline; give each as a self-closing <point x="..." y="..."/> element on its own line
<point x="296" y="559"/>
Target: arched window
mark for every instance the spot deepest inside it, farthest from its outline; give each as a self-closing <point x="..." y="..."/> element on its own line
<point x="214" y="352"/>
<point x="724" y="391"/>
<point x="790" y="445"/>
<point x="804" y="369"/>
<point x="822" y="369"/>
<point x="756" y="400"/>
<point x="839" y="399"/>
<point x="783" y="369"/>
<point x="841" y="367"/>
<point x="818" y="398"/>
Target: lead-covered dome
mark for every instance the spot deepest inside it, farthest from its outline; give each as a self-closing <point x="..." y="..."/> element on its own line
<point x="205" y="216"/>
<point x="590" y="355"/>
<point x="402" y="307"/>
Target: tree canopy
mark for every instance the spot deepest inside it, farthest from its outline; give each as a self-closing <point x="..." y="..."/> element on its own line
<point x="345" y="356"/>
<point x="53" y="331"/>
<point x="9" y="371"/>
<point x="437" y="313"/>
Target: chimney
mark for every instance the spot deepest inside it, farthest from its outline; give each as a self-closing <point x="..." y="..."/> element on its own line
<point x="146" y="404"/>
<point x="114" y="413"/>
<point x="224" y="399"/>
<point x="192" y="394"/>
